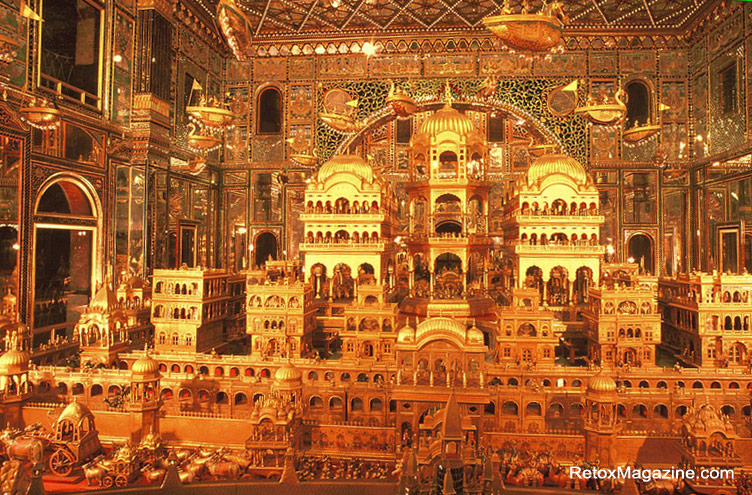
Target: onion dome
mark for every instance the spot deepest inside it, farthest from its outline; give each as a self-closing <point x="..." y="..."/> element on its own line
<point x="145" y="369"/>
<point x="406" y="335"/>
<point x="288" y="376"/>
<point x="704" y="420"/>
<point x="475" y="336"/>
<point x="548" y="165"/>
<point x="447" y="119"/>
<point x="602" y="383"/>
<point x="14" y="362"/>
<point x="347" y="164"/>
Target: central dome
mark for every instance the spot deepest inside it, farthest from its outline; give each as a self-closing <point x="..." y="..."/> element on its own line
<point x="447" y="119"/>
<point x="350" y="164"/>
<point x="441" y="324"/>
<point x="552" y="164"/>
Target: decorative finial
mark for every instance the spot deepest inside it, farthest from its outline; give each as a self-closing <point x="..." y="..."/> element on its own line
<point x="448" y="94"/>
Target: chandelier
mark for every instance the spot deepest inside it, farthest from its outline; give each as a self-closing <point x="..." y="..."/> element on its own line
<point x="344" y="121"/>
<point x="301" y="151"/>
<point x="235" y="27"/>
<point x="306" y="159"/>
<point x="538" y="150"/>
<point x="527" y="32"/>
<point x="40" y="114"/>
<point x="402" y="104"/>
<point x="608" y="111"/>
<point x="211" y="114"/>
<point x="638" y="133"/>
<point x="202" y="143"/>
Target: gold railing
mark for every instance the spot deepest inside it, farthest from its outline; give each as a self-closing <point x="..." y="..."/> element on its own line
<point x="69" y="92"/>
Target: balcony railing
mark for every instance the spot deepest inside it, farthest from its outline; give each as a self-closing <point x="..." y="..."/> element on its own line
<point x="367" y="245"/>
<point x="526" y="247"/>
<point x="69" y="92"/>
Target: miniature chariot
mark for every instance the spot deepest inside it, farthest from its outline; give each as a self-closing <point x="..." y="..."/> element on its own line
<point x="73" y="442"/>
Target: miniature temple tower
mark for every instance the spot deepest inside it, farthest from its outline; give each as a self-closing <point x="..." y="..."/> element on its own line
<point x="708" y="440"/>
<point x="448" y="241"/>
<point x="14" y="383"/>
<point x="552" y="231"/>
<point x="102" y="329"/>
<point x="348" y="229"/>
<point x="144" y="402"/>
<point x="601" y="425"/>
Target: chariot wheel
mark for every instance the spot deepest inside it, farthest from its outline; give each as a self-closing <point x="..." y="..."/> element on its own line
<point x="121" y="480"/>
<point x="108" y="481"/>
<point x="61" y="462"/>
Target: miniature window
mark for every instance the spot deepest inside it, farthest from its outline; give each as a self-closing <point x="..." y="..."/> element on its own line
<point x="638" y="104"/>
<point x="728" y="89"/>
<point x="495" y="128"/>
<point x="404" y="130"/>
<point x="269" y="116"/>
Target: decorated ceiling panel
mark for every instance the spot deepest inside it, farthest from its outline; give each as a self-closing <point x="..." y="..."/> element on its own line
<point x="294" y="18"/>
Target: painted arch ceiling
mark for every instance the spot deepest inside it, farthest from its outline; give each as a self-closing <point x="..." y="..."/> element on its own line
<point x="296" y="18"/>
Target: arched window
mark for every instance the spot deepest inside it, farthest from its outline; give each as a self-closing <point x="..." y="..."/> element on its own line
<point x="265" y="248"/>
<point x="638" y="103"/>
<point x="66" y="226"/>
<point x="640" y="249"/>
<point x="269" y="116"/>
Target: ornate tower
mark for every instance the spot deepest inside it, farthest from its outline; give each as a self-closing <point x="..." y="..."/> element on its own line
<point x="144" y="401"/>
<point x="14" y="383"/>
<point x="552" y="231"/>
<point x="448" y="241"/>
<point x="348" y="230"/>
<point x="102" y="329"/>
<point x="601" y="425"/>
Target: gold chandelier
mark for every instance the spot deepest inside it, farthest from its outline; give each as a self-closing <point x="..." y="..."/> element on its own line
<point x="40" y="114"/>
<point x="301" y="151"/>
<point x="202" y="143"/>
<point x="402" y="104"/>
<point x="211" y="114"/>
<point x="606" y="112"/>
<point x="639" y="133"/>
<point x="196" y="165"/>
<point x="306" y="159"/>
<point x="342" y="122"/>
<point x="527" y="32"/>
<point x="538" y="150"/>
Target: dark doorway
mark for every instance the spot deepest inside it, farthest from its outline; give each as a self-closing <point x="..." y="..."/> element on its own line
<point x="640" y="249"/>
<point x="266" y="248"/>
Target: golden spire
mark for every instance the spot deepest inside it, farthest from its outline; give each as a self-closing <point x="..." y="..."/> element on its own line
<point x="447" y="95"/>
